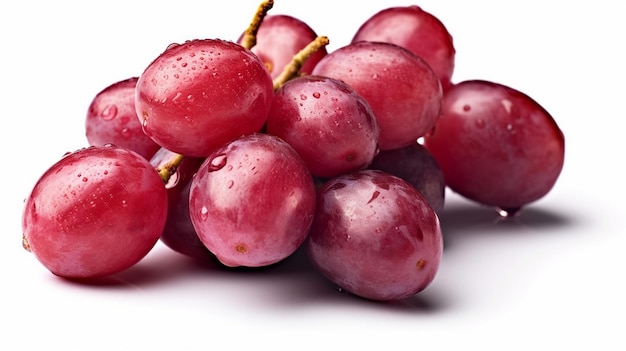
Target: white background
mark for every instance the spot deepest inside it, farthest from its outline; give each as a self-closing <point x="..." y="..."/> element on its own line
<point x="551" y="280"/>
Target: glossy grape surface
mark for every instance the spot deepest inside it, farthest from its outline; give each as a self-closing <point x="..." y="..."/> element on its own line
<point x="496" y="145"/>
<point x="279" y="38"/>
<point x="416" y="165"/>
<point x="200" y="94"/>
<point x="417" y="30"/>
<point x="375" y="236"/>
<point x="252" y="201"/>
<point x="96" y="212"/>
<point x="112" y="119"/>
<point x="331" y="126"/>
<point x="401" y="88"/>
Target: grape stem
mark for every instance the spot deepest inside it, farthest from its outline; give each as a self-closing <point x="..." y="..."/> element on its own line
<point x="292" y="69"/>
<point x="169" y="168"/>
<point x="248" y="39"/>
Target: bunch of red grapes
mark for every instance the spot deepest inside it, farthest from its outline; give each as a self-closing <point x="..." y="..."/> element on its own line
<point x="244" y="151"/>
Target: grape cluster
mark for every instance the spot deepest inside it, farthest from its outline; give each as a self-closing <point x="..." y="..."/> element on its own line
<point x="241" y="152"/>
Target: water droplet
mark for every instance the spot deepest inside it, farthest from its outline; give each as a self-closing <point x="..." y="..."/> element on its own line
<point x="374" y="76"/>
<point x="105" y="172"/>
<point x="85" y="179"/>
<point x="218" y="162"/>
<point x="375" y="195"/>
<point x="508" y="212"/>
<point x="466" y="108"/>
<point x="480" y="123"/>
<point x="92" y="203"/>
<point x="303" y="97"/>
<point x="109" y="112"/>
<point x="316" y="95"/>
<point x="204" y="213"/>
<point x="348" y="237"/>
<point x="507" y="104"/>
<point x="177" y="96"/>
<point x="230" y="184"/>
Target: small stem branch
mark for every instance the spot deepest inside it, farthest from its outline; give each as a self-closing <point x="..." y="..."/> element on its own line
<point x="168" y="169"/>
<point x="292" y="69"/>
<point x="248" y="39"/>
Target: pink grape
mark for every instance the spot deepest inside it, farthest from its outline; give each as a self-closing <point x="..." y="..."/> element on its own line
<point x="94" y="213"/>
<point x="112" y="119"/>
<point x="496" y="145"/>
<point x="375" y="235"/>
<point x="401" y="88"/>
<point x="331" y="126"/>
<point x="203" y="93"/>
<point x="279" y="38"/>
<point x="252" y="201"/>
<point x="417" y="30"/>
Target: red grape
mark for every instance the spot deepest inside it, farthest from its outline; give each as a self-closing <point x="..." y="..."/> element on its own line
<point x="416" y="165"/>
<point x="201" y="94"/>
<point x="279" y="38"/>
<point x="417" y="30"/>
<point x="95" y="212"/>
<point x="179" y="233"/>
<point x="496" y="145"/>
<point x="112" y="119"/>
<point x="252" y="201"/>
<point x="402" y="89"/>
<point x="375" y="236"/>
<point x="331" y="126"/>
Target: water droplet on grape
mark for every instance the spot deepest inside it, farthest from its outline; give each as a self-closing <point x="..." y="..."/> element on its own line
<point x="230" y="184"/>
<point x="218" y="162"/>
<point x="316" y="95"/>
<point x="124" y="204"/>
<point x="507" y="105"/>
<point x="109" y="112"/>
<point x="204" y="213"/>
<point x="85" y="179"/>
<point x="467" y="108"/>
<point x="480" y="123"/>
<point x="303" y="97"/>
<point x="505" y="212"/>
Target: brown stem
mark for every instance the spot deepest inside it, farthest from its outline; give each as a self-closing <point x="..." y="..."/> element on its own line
<point x="168" y="169"/>
<point x="292" y="69"/>
<point x="248" y="39"/>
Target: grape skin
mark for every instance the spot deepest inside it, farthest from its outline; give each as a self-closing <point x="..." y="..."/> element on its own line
<point x="331" y="126"/>
<point x="401" y="88"/>
<point x="252" y="201"/>
<point x="95" y="212"/>
<point x="375" y="236"/>
<point x="179" y="233"/>
<point x="112" y="119"/>
<point x="201" y="94"/>
<point x="279" y="38"/>
<point x="417" y="30"/>
<point x="496" y="145"/>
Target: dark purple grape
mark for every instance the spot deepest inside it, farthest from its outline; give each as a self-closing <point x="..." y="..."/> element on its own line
<point x="415" y="164"/>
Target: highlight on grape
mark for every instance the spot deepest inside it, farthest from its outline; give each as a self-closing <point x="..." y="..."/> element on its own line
<point x="243" y="152"/>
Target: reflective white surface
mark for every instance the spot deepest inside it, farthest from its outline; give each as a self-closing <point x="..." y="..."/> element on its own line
<point x="552" y="279"/>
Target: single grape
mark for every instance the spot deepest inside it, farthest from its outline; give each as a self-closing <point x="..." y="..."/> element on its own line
<point x="417" y="30"/>
<point x="95" y="212"/>
<point x="496" y="145"/>
<point x="401" y="88"/>
<point x="252" y="201"/>
<point x="179" y="233"/>
<point x="375" y="235"/>
<point x="112" y="119"/>
<point x="201" y="94"/>
<point x="416" y="165"/>
<point x="331" y="126"/>
<point x="279" y="38"/>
